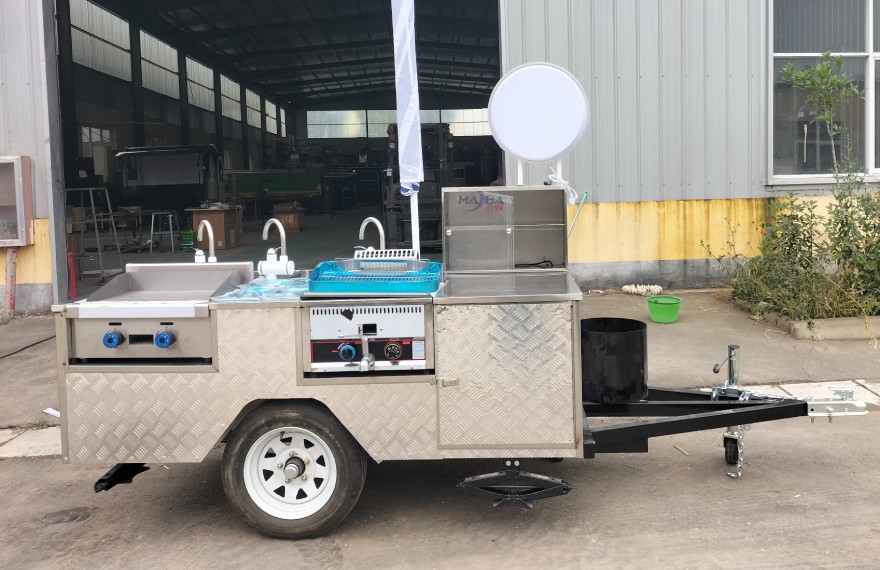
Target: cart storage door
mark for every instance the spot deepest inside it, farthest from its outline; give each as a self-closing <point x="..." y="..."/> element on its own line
<point x="505" y="375"/>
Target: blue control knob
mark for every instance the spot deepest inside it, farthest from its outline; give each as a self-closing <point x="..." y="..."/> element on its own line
<point x="112" y="339"/>
<point x="164" y="339"/>
<point x="347" y="352"/>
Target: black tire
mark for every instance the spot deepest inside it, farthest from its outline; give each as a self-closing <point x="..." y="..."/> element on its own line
<point x="313" y="434"/>
<point x="731" y="451"/>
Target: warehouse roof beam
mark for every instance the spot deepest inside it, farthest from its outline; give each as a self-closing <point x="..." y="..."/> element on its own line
<point x="455" y="97"/>
<point x="282" y="47"/>
<point x="378" y="44"/>
<point x="380" y="61"/>
<point x="323" y="82"/>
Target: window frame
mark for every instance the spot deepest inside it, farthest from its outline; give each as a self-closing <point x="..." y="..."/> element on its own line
<point x="381" y="125"/>
<point x="271" y="118"/>
<point x="87" y="134"/>
<point x="870" y="57"/>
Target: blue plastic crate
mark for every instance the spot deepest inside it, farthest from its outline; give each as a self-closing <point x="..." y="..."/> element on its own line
<point x="329" y="277"/>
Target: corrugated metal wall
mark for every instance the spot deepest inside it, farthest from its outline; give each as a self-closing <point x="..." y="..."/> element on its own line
<point x="24" y="109"/>
<point x="677" y="89"/>
<point x="30" y="125"/>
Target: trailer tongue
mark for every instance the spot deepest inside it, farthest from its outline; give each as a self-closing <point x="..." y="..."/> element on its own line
<point x="682" y="411"/>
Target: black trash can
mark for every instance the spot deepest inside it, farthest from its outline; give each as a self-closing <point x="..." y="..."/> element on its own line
<point x="614" y="360"/>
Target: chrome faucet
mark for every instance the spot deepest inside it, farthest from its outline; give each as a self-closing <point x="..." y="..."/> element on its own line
<point x="274" y="266"/>
<point x="280" y="231"/>
<point x="364" y="225"/>
<point x="200" y="255"/>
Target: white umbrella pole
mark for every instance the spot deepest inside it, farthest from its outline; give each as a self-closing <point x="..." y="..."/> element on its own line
<point x="414" y="215"/>
<point x="409" y="131"/>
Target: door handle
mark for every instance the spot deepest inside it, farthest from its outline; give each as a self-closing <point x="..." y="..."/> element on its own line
<point x="447" y="382"/>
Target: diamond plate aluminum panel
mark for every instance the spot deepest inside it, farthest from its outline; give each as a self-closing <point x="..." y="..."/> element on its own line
<point x="513" y="368"/>
<point x="179" y="416"/>
<point x="173" y="417"/>
<point x="390" y="421"/>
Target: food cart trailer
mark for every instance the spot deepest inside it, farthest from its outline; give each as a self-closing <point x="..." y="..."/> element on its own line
<point x="384" y="355"/>
<point x="381" y="355"/>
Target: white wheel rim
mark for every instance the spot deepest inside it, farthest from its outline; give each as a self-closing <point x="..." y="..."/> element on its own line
<point x="267" y="484"/>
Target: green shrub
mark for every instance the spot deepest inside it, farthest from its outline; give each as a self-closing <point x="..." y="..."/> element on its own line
<point x="810" y="267"/>
<point x="853" y="248"/>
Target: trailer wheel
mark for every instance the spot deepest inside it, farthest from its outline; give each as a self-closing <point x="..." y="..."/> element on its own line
<point x="293" y="471"/>
<point x="731" y="451"/>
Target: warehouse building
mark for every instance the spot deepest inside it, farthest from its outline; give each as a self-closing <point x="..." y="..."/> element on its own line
<point x="691" y="129"/>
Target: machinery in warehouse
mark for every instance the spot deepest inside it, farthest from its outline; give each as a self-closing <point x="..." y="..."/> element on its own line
<point x="170" y="177"/>
<point x="382" y="355"/>
<point x="258" y="191"/>
<point x="437" y="143"/>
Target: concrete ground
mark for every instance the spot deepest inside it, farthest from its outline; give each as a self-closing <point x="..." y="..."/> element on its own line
<point x="808" y="496"/>
<point x="807" y="499"/>
<point x="28" y="380"/>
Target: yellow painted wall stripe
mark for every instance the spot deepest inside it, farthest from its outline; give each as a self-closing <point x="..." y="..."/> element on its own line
<point x="663" y="231"/>
<point x="34" y="261"/>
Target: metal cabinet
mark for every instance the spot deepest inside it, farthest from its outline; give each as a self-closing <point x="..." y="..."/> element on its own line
<point x="505" y="375"/>
<point x="16" y="202"/>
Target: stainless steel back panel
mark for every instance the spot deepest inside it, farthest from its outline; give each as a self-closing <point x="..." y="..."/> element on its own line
<point x="501" y="228"/>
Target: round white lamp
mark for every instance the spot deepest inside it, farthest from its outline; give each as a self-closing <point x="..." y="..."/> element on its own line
<point x="537" y="113"/>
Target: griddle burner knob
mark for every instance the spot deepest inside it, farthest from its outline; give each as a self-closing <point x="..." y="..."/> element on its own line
<point x="347" y="352"/>
<point x="164" y="339"/>
<point x="112" y="339"/>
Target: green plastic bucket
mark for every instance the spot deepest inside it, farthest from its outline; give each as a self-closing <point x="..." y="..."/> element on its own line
<point x="664" y="308"/>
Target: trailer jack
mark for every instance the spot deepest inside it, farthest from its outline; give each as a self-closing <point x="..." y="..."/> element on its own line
<point x="514" y="488"/>
<point x="120" y="473"/>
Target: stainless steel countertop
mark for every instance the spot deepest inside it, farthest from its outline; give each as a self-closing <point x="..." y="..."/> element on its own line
<point x="507" y="287"/>
<point x="458" y="289"/>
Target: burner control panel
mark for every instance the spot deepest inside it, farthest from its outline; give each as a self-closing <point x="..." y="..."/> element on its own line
<point x="368" y="338"/>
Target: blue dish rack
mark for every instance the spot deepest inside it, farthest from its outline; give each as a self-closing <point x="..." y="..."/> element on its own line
<point x="330" y="277"/>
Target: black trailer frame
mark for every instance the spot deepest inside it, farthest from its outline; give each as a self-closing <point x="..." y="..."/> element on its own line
<point x="685" y="411"/>
<point x="682" y="410"/>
